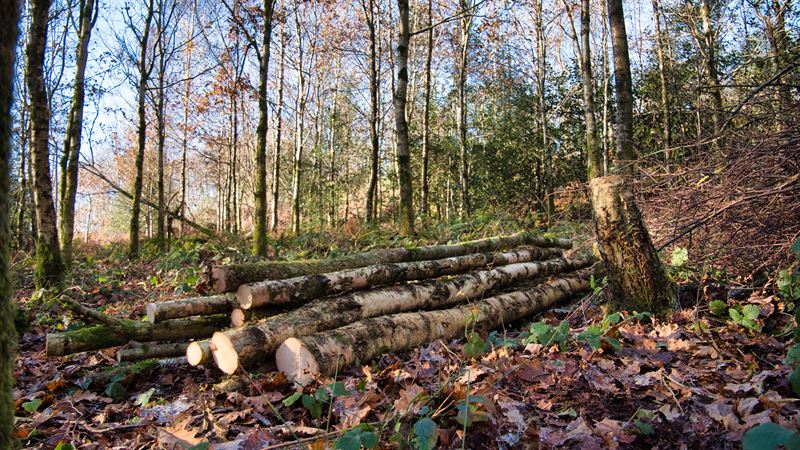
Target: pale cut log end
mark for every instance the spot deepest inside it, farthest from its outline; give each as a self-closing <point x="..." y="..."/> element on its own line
<point x="297" y="362"/>
<point x="199" y="352"/>
<point x="54" y="345"/>
<point x="238" y="317"/>
<point x="219" y="277"/>
<point x="244" y="296"/>
<point x="225" y="355"/>
<point x="151" y="310"/>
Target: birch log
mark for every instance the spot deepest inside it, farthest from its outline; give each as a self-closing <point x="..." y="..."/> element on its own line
<point x="195" y="306"/>
<point x="228" y="278"/>
<point x="250" y="345"/>
<point x="305" y="358"/>
<point x="305" y="288"/>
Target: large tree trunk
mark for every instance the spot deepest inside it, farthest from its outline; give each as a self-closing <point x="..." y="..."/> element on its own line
<point x="276" y="159"/>
<point x="228" y="278"/>
<point x="304" y="358"/>
<point x="666" y="120"/>
<point x="636" y="277"/>
<point x="248" y="346"/>
<point x="260" y="244"/>
<point x="144" y="75"/>
<point x="105" y="336"/>
<point x="372" y="203"/>
<point x="593" y="151"/>
<point x="49" y="268"/>
<point x="305" y="288"/>
<point x="162" y="21"/>
<point x="187" y="307"/>
<point x="623" y="87"/>
<point x="9" y="21"/>
<point x="72" y="141"/>
<point x="401" y="125"/>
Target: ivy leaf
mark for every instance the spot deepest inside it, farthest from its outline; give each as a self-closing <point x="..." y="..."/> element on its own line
<point x="338" y="389"/>
<point x="116" y="391"/>
<point x="349" y="441"/>
<point x="425" y="433"/>
<point x="321" y="394"/>
<point x="292" y="399"/>
<point x="768" y="436"/>
<point x="369" y="439"/>
<point x="644" y="428"/>
<point x="32" y="406"/>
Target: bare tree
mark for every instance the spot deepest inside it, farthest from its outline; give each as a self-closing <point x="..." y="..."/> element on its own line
<point x="401" y="125"/>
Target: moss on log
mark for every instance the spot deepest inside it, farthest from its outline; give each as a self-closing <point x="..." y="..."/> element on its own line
<point x="228" y="278"/>
<point x="137" y="351"/>
<point x="104" y="336"/>
<point x="304" y="358"/>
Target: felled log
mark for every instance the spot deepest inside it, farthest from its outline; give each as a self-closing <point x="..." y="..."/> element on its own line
<point x="250" y="345"/>
<point x="304" y="358"/>
<point x="137" y="351"/>
<point x="240" y="317"/>
<point x="106" y="336"/>
<point x="199" y="353"/>
<point x="228" y="278"/>
<point x="305" y="288"/>
<point x="187" y="307"/>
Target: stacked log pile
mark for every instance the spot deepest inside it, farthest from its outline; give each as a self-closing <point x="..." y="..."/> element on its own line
<point x="315" y="316"/>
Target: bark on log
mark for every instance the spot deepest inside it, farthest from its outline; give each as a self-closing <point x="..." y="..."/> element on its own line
<point x="137" y="351"/>
<point x="199" y="353"/>
<point x="240" y="317"/>
<point x="229" y="277"/>
<point x="304" y="358"/>
<point x="250" y="345"/>
<point x="195" y="306"/>
<point x="636" y="277"/>
<point x="104" y="336"/>
<point x="302" y="289"/>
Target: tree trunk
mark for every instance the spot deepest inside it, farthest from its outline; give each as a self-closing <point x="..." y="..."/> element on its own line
<point x="104" y="336"/>
<point x="228" y="278"/>
<point x="306" y="288"/>
<point x="144" y="75"/>
<point x="137" y="351"/>
<point x="161" y="131"/>
<point x="187" y="307"/>
<point x="9" y="21"/>
<point x="276" y="159"/>
<point x="541" y="50"/>
<point x="248" y="346"/>
<point x="593" y="151"/>
<point x="240" y="317"/>
<point x="304" y="358"/>
<point x="401" y="126"/>
<point x="636" y="278"/>
<point x="466" y="24"/>
<point x="372" y="203"/>
<point x="623" y="87"/>
<point x="72" y="142"/>
<point x="260" y="244"/>
<point x="426" y="116"/>
<point x="710" y="41"/>
<point x="666" y="120"/>
<point x="300" y="110"/>
<point x="186" y="102"/>
<point x="49" y="268"/>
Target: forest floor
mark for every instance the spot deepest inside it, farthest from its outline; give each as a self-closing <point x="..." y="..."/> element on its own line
<point x="573" y="377"/>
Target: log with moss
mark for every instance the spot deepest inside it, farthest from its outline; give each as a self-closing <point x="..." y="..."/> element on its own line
<point x="305" y="358"/>
<point x="305" y="288"/>
<point x="138" y="351"/>
<point x="187" y="307"/>
<point x="123" y="331"/>
<point x="251" y="345"/>
<point x="228" y="278"/>
<point x="240" y="317"/>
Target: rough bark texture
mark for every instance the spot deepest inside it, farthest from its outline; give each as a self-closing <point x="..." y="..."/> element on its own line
<point x="141" y="133"/>
<point x="137" y="351"/>
<point x="372" y="190"/>
<point x="228" y="278"/>
<point x="636" y="277"/>
<point x="104" y="336"/>
<point x="710" y="43"/>
<point x="187" y="307"/>
<point x="594" y="152"/>
<point x="9" y="17"/>
<point x="461" y="119"/>
<point x="49" y="270"/>
<point x="401" y="125"/>
<point x="300" y="112"/>
<point x="623" y="87"/>
<point x="276" y="158"/>
<point x="72" y="141"/>
<point x="241" y="317"/>
<point x="309" y="287"/>
<point x="260" y="246"/>
<point x="426" y="115"/>
<point x="303" y="358"/>
<point x="248" y="346"/>
<point x="666" y="120"/>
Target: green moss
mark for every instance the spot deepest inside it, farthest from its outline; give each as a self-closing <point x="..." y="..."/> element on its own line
<point x="49" y="268"/>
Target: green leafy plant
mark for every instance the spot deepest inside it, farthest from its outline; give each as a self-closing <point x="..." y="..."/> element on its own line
<point x="747" y="317"/>
<point x="769" y="436"/>
<point x="32" y="406"/>
<point x="313" y="403"/>
<point x="357" y="438"/>
<point x="475" y="345"/>
<point x="678" y="262"/>
<point x="597" y="334"/>
<point x="597" y="286"/>
<point x="472" y="409"/>
<point x="425" y="433"/>
<point x="545" y="334"/>
<point x="718" y="307"/>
